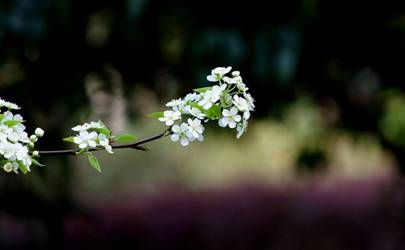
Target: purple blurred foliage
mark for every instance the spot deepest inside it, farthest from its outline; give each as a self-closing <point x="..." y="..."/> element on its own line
<point x="347" y="215"/>
<point x="344" y="215"/>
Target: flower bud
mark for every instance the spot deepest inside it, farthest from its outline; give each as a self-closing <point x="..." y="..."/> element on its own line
<point x="35" y="153"/>
<point x="31" y="144"/>
<point x="39" y="132"/>
<point x="235" y="73"/>
<point x="33" y="138"/>
<point x="8" y="167"/>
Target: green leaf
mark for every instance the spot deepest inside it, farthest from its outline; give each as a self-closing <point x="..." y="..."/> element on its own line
<point x="104" y="131"/>
<point x="1" y="117"/>
<point x="202" y="90"/>
<point x="11" y="123"/>
<point x="125" y="138"/>
<point x="213" y="113"/>
<point x="94" y="162"/>
<point x="69" y="139"/>
<point x="155" y="115"/>
<point x="37" y="163"/>
<point x="81" y="151"/>
<point x="22" y="167"/>
<point x="195" y="105"/>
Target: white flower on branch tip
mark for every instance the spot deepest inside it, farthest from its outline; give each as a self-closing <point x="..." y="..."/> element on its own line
<point x="8" y="167"/>
<point x="8" y="105"/>
<point x="233" y="80"/>
<point x="250" y="101"/>
<point x="241" y="86"/>
<point x="242" y="105"/>
<point x="82" y="127"/>
<point x="33" y="138"/>
<point x="86" y="139"/>
<point x="194" y="112"/>
<point x="212" y="96"/>
<point x="96" y="125"/>
<point x="241" y="128"/>
<point x="175" y="102"/>
<point x="230" y="118"/>
<point x="8" y="116"/>
<point x="181" y="133"/>
<point x="235" y="73"/>
<point x="39" y="132"/>
<point x="192" y="97"/>
<point x="196" y="128"/>
<point x="11" y="167"/>
<point x="218" y="73"/>
<point x="14" y="152"/>
<point x="169" y="116"/>
<point x="105" y="142"/>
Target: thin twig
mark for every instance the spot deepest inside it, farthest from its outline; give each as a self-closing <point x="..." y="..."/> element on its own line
<point x="136" y="145"/>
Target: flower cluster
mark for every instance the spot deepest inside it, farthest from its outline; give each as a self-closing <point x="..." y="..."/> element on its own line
<point x="95" y="136"/>
<point x="91" y="135"/>
<point x="228" y="102"/>
<point x="16" y="147"/>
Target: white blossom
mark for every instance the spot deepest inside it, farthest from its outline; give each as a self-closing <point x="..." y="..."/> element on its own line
<point x="181" y="133"/>
<point x="250" y="101"/>
<point x="15" y="143"/>
<point x="233" y="107"/>
<point x="196" y="128"/>
<point x="192" y="97"/>
<point x="39" y="132"/>
<point x="23" y="156"/>
<point x="33" y="138"/>
<point x="96" y="125"/>
<point x="8" y="105"/>
<point x="91" y="137"/>
<point x="82" y="127"/>
<point x="86" y="139"/>
<point x="240" y="103"/>
<point x="230" y="118"/>
<point x="241" y="86"/>
<point x="169" y="116"/>
<point x="175" y="102"/>
<point x="212" y="96"/>
<point x="8" y="167"/>
<point x="105" y="142"/>
<point x="194" y="112"/>
<point x="218" y="73"/>
<point x="241" y="128"/>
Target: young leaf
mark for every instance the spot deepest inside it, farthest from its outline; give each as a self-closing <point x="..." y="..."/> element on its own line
<point x="81" y="151"/>
<point x="202" y="90"/>
<point x="104" y="131"/>
<point x="22" y="167"/>
<point x="11" y="123"/>
<point x="94" y="162"/>
<point x="36" y="163"/>
<point x="155" y="115"/>
<point x="69" y="139"/>
<point x="125" y="138"/>
<point x="195" y="105"/>
<point x="213" y="113"/>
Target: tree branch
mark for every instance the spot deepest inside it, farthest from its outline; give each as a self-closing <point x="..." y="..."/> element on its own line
<point x="135" y="145"/>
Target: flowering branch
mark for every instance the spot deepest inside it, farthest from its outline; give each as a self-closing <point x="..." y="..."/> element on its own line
<point x="227" y="102"/>
<point x="136" y="145"/>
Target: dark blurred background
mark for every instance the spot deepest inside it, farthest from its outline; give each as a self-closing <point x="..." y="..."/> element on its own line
<point x="321" y="166"/>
